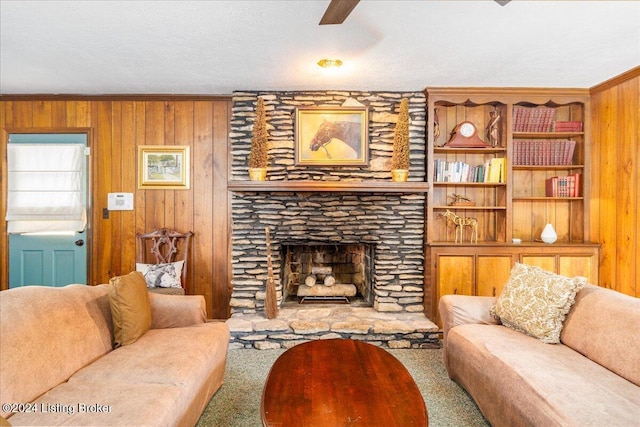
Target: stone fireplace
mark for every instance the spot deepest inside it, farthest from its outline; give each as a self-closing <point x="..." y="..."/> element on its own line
<point x="394" y="223"/>
<point x="366" y="245"/>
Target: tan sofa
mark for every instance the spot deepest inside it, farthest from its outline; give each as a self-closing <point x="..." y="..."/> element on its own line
<point x="58" y="366"/>
<point x="592" y="378"/>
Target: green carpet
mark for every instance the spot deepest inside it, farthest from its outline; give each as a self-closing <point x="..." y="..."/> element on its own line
<point x="237" y="402"/>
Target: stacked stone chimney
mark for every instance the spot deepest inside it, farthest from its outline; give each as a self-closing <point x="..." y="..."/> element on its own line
<point x="393" y="223"/>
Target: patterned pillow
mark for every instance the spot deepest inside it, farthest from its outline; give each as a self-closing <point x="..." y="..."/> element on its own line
<point x="162" y="275"/>
<point x="535" y="302"/>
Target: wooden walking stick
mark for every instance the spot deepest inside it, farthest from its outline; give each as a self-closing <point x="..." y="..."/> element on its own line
<point x="270" y="300"/>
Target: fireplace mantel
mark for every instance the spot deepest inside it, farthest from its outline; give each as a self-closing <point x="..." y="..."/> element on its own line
<point x="329" y="186"/>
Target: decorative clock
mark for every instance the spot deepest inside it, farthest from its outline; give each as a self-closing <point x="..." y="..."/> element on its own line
<point x="465" y="135"/>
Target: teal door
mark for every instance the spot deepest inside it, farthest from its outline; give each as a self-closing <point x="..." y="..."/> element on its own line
<point x="47" y="260"/>
<point x="55" y="258"/>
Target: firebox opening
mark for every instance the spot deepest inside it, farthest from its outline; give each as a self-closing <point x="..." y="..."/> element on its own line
<point x="315" y="272"/>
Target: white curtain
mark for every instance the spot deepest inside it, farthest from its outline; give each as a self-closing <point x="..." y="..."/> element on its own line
<point x="45" y="188"/>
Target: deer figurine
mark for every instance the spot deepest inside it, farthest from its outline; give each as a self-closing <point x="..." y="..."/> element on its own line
<point x="461" y="223"/>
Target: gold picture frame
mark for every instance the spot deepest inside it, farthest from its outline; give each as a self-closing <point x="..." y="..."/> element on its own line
<point x="332" y="136"/>
<point x="163" y="167"/>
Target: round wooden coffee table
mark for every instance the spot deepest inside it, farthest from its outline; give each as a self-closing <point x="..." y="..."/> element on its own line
<point x="340" y="382"/>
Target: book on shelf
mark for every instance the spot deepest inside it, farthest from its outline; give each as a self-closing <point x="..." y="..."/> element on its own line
<point x="543" y="152"/>
<point x="497" y="170"/>
<point x="538" y="119"/>
<point x="563" y="186"/>
<point x="567" y="126"/>
<point x="444" y="171"/>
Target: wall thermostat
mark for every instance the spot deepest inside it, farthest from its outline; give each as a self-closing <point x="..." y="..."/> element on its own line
<point x="120" y="201"/>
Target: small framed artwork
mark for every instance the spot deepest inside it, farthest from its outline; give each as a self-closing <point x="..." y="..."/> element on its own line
<point x="332" y="136"/>
<point x="163" y="167"/>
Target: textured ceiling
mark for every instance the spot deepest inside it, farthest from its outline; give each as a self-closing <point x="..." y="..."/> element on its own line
<point x="216" y="47"/>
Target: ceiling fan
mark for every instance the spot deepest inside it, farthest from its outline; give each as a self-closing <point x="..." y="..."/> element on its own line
<point x="338" y="10"/>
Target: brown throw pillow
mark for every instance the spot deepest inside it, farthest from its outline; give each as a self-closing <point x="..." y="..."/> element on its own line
<point x="130" y="307"/>
<point x="535" y="302"/>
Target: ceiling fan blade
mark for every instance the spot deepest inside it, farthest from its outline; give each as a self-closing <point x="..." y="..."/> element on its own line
<point x="502" y="2"/>
<point x="337" y="11"/>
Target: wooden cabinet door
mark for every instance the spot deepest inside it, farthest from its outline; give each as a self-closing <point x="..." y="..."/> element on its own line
<point x="455" y="275"/>
<point x="545" y="262"/>
<point x="577" y="265"/>
<point x="492" y="273"/>
<point x="567" y="265"/>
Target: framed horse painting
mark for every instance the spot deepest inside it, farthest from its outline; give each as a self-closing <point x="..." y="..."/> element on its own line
<point x="332" y="136"/>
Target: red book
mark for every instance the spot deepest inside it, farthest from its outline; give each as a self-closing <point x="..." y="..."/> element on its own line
<point x="571" y="182"/>
<point x="517" y="119"/>
<point x="567" y="126"/>
<point x="551" y="187"/>
<point x="517" y="152"/>
<point x="568" y="159"/>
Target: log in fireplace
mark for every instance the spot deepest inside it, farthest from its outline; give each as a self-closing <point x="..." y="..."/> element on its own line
<point x="316" y="272"/>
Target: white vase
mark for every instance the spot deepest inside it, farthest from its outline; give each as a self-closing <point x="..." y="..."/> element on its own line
<point x="549" y="235"/>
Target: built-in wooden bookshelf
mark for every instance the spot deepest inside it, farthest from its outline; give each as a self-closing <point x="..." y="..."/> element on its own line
<point x="518" y="206"/>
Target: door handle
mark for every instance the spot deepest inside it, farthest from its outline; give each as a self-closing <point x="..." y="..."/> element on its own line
<point x="79" y="242"/>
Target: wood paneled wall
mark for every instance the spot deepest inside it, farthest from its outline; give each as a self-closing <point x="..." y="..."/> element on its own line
<point x="615" y="180"/>
<point x="117" y="126"/>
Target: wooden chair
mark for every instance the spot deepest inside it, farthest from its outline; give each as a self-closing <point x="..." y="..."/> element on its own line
<point x="165" y="246"/>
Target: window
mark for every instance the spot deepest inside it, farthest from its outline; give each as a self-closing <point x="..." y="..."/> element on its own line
<point x="46" y="187"/>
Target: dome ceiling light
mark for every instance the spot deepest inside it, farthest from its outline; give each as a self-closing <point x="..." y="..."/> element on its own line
<point x="329" y="63"/>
